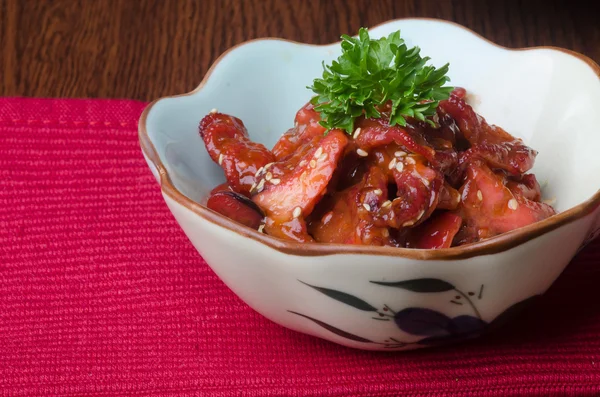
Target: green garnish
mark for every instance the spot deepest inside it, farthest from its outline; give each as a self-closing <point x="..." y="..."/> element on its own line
<point x="370" y="73"/>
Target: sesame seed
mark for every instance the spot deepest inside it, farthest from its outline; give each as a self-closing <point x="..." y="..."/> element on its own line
<point x="302" y="163"/>
<point x="479" y="195"/>
<point x="386" y="204"/>
<point x="268" y="176"/>
<point x="297" y="212"/>
<point x="378" y="192"/>
<point x="268" y="165"/>
<point x="295" y="124"/>
<point x="322" y="157"/>
<point x="367" y="206"/>
<point x="258" y="171"/>
<point x="551" y="201"/>
<point x="275" y="181"/>
<point x="213" y="111"/>
<point x="361" y="153"/>
<point x="261" y="184"/>
<point x="409" y="223"/>
<point x="318" y="152"/>
<point x="425" y="181"/>
<point x="385" y="233"/>
<point x="312" y="163"/>
<point x="392" y="163"/>
<point x="221" y="158"/>
<point x="512" y="204"/>
<point x="420" y="214"/>
<point x="400" y="153"/>
<point x="356" y="133"/>
<point x="410" y="160"/>
<point x="399" y="166"/>
<point x="261" y="228"/>
<point x="327" y="217"/>
<point x="253" y="186"/>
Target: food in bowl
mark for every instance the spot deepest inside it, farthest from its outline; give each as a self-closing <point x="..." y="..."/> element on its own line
<point x="385" y="155"/>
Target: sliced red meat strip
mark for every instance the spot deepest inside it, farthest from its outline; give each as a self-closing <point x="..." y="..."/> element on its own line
<point x="449" y="197"/>
<point x="491" y="208"/>
<point x="437" y="232"/>
<point x="237" y="207"/>
<point x="350" y="217"/>
<point x="227" y="142"/>
<point x="490" y="143"/>
<point x="305" y="129"/>
<point x="526" y="186"/>
<point x="294" y="186"/>
<point x="377" y="132"/>
<point x="418" y="193"/>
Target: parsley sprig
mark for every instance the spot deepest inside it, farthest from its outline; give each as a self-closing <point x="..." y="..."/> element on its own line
<point x="371" y="73"/>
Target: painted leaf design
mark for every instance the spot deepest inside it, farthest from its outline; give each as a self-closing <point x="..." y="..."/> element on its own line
<point x="461" y="328"/>
<point x="343" y="297"/>
<point x="511" y="312"/>
<point x="333" y="329"/>
<point x="463" y="325"/>
<point x="419" y="285"/>
<point x="419" y="321"/>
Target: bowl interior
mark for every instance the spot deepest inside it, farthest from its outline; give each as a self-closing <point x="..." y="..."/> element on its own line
<point x="547" y="97"/>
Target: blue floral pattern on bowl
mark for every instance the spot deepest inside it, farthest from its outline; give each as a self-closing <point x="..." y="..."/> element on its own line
<point x="434" y="327"/>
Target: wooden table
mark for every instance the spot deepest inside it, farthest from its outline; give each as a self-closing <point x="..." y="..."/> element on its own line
<point x="144" y="49"/>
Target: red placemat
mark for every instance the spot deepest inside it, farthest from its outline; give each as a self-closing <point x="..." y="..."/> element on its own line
<point x="102" y="294"/>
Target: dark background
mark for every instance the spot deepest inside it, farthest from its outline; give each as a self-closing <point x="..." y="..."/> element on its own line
<point x="145" y="49"/>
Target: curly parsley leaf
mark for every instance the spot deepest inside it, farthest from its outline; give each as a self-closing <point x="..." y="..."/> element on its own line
<point x="372" y="73"/>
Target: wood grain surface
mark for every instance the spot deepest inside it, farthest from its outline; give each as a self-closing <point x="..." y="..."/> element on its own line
<point x="143" y="49"/>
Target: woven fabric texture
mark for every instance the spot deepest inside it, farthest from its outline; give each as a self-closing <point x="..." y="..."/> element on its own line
<point x="102" y="294"/>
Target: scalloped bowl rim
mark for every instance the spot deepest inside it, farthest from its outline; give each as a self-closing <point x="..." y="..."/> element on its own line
<point x="491" y="245"/>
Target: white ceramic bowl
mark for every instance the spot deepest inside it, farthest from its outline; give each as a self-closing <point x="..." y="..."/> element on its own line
<point x="380" y="297"/>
